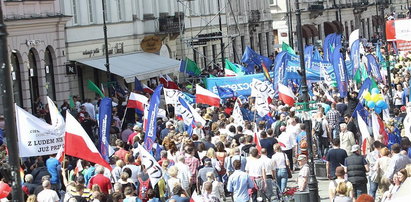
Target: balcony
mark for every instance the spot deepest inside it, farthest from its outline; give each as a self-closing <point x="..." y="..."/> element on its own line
<point x="316" y="6"/>
<point x="254" y="16"/>
<point x="171" y="24"/>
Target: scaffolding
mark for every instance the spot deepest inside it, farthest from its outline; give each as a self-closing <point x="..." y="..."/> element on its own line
<point x="207" y="33"/>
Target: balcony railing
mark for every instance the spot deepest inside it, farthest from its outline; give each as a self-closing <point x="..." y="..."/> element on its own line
<point x="254" y="16"/>
<point x="171" y="24"/>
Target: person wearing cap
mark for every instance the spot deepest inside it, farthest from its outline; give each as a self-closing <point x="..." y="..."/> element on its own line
<point x="137" y="130"/>
<point x="302" y="179"/>
<point x="356" y="167"/>
<point x="340" y="173"/>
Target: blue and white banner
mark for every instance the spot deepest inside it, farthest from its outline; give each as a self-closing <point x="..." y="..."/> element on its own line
<point x="239" y="84"/>
<point x="104" y="125"/>
<point x="355" y="56"/>
<point x="279" y="68"/>
<point x="340" y="71"/>
<point x="308" y="55"/>
<point x="151" y="128"/>
<point x="374" y="67"/>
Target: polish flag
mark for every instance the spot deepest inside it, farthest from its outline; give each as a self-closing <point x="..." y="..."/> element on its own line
<point x="171" y="84"/>
<point x="60" y="154"/>
<point x="286" y="94"/>
<point x="137" y="101"/>
<point x="163" y="81"/>
<point x="78" y="143"/>
<point x="364" y="132"/>
<point x="147" y="89"/>
<point x="205" y="96"/>
<point x="257" y="143"/>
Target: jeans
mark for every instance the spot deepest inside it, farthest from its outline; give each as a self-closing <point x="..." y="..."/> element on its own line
<point x="373" y="188"/>
<point x="359" y="189"/>
<point x="282" y="178"/>
<point x="322" y="143"/>
<point x="335" y="132"/>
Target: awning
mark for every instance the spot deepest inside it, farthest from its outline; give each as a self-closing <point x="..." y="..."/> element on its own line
<point x="329" y="28"/>
<point x="313" y="29"/>
<point x="140" y="65"/>
<point x="306" y="31"/>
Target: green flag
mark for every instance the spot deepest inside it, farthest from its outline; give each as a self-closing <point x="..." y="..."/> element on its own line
<point x="93" y="87"/>
<point x="357" y="76"/>
<point x="288" y="48"/>
<point x="192" y="68"/>
<point x="71" y="102"/>
<point x="211" y="76"/>
<point x="373" y="83"/>
<point x="364" y="73"/>
<point x="232" y="70"/>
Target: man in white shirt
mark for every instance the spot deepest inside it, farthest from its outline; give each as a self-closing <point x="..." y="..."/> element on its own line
<point x="289" y="143"/>
<point x="47" y="195"/>
<point x="347" y="139"/>
<point x="184" y="173"/>
<point x="256" y="171"/>
<point x="268" y="166"/>
<point x="399" y="93"/>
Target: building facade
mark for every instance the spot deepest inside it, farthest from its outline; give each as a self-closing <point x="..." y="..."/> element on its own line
<point x="36" y="45"/>
<point x="320" y="18"/>
<point x="186" y="28"/>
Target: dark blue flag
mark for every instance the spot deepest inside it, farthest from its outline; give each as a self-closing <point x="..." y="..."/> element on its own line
<point x="374" y="67"/>
<point x="105" y="111"/>
<point x="151" y="128"/>
<point x="187" y="115"/>
<point x="355" y="56"/>
<point x="251" y="58"/>
<point x="225" y="92"/>
<point x="308" y="55"/>
<point x="279" y="69"/>
<point x="340" y="71"/>
<point x="137" y="85"/>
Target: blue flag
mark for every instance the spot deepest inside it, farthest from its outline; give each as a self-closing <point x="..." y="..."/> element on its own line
<point x="187" y="115"/>
<point x="308" y="55"/>
<point x="362" y="111"/>
<point x="104" y="126"/>
<point x="340" y="71"/>
<point x="225" y="92"/>
<point x="364" y="87"/>
<point x="317" y="55"/>
<point x="151" y="128"/>
<point x="355" y="56"/>
<point x="251" y="58"/>
<point x="279" y="69"/>
<point x="378" y="53"/>
<point x="137" y="85"/>
<point x="326" y="46"/>
<point x="374" y="67"/>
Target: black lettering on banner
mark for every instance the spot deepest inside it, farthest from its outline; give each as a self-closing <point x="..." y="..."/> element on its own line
<point x="29" y="143"/>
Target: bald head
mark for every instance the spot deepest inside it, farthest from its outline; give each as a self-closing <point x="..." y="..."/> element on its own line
<point x="264" y="151"/>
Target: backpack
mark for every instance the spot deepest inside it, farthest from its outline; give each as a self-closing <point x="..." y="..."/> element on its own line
<point x="318" y="128"/>
<point x="143" y="188"/>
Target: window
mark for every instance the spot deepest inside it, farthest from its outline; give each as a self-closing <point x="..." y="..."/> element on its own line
<point x="195" y="55"/>
<point x="214" y="52"/>
<point x="205" y="57"/>
<point x="120" y="10"/>
<point x="75" y="11"/>
<point x="260" y="43"/>
<point x="90" y="10"/>
<point x="242" y="43"/>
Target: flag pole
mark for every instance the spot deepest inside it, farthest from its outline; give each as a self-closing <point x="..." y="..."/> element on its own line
<point x="124" y="116"/>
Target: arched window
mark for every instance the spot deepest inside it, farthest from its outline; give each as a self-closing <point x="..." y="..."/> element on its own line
<point x="49" y="68"/>
<point x="16" y="76"/>
<point x="34" y="82"/>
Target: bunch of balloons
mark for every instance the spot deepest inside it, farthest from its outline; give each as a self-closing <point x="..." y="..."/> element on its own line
<point x="375" y="100"/>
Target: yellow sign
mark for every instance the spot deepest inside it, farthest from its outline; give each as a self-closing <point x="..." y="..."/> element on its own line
<point x="151" y="44"/>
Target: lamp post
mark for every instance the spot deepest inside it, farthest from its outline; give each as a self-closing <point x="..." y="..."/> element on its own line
<point x="312" y="181"/>
<point x="9" y="115"/>
<point x="107" y="65"/>
<point x="290" y="25"/>
<point x="387" y="54"/>
<point x="221" y="39"/>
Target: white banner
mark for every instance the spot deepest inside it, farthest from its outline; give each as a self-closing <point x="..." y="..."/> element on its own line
<point x="36" y="137"/>
<point x="261" y="88"/>
<point x="403" y="30"/>
<point x="151" y="165"/>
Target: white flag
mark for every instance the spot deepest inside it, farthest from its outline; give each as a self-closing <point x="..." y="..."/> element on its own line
<point x="238" y="115"/>
<point x="151" y="165"/>
<point x="261" y="105"/>
<point x="364" y="131"/>
<point x="171" y="96"/>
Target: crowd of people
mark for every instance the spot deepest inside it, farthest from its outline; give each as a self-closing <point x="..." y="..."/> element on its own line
<point x="222" y="160"/>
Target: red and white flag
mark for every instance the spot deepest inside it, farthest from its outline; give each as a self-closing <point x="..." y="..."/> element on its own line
<point x="137" y="101"/>
<point x="364" y="132"/>
<point x="286" y="94"/>
<point x="171" y="84"/>
<point x="257" y="143"/>
<point x="78" y="143"/>
<point x="163" y="80"/>
<point x="147" y="89"/>
<point x="205" y="96"/>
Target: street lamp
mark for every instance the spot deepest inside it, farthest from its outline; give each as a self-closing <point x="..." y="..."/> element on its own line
<point x="9" y="115"/>
<point x="387" y="54"/>
<point x="312" y="182"/>
<point x="107" y="65"/>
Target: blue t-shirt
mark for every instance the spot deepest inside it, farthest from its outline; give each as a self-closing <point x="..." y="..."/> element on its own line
<point x="52" y="166"/>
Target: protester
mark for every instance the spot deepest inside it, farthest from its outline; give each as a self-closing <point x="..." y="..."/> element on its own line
<point x="334" y="184"/>
<point x="302" y="179"/>
<point x="335" y="157"/>
<point x="356" y="168"/>
<point x="239" y="182"/>
<point x="280" y="164"/>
